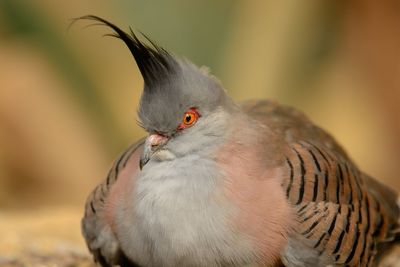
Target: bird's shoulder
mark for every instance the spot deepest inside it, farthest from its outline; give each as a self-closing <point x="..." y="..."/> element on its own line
<point x="290" y="124"/>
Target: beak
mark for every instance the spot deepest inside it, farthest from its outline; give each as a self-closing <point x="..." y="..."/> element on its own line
<point x="153" y="143"/>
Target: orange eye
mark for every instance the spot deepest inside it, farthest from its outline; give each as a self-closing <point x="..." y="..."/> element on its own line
<point x="189" y="118"/>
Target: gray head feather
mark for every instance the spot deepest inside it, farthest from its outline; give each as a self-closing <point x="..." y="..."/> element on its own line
<point x="171" y="86"/>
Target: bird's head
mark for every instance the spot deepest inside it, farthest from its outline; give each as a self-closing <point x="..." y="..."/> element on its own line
<point x="183" y="108"/>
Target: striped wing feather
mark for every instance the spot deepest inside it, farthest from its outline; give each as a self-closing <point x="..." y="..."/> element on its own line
<point x="343" y="214"/>
<point x="339" y="215"/>
<point x="98" y="234"/>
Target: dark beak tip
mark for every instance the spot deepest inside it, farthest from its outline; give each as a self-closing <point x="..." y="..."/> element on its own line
<point x="143" y="162"/>
<point x="141" y="165"/>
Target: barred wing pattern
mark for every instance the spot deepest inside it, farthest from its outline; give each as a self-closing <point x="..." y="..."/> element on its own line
<point x="344" y="216"/>
<point x="98" y="235"/>
<point x="339" y="216"/>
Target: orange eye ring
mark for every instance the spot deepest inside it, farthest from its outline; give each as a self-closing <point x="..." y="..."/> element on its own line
<point x="189" y="118"/>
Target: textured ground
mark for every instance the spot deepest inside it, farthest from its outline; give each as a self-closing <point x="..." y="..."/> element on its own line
<point x="42" y="238"/>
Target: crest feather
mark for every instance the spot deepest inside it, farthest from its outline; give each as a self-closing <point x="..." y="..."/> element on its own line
<point x="154" y="62"/>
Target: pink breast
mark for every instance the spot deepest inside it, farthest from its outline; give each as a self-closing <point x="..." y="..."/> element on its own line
<point x="264" y="215"/>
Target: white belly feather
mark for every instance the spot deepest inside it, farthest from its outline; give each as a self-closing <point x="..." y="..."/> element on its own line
<point x="176" y="218"/>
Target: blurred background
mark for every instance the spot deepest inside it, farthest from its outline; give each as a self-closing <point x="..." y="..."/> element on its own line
<point x="68" y="97"/>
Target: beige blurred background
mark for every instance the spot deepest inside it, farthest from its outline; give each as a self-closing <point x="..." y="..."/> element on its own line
<point x="68" y="98"/>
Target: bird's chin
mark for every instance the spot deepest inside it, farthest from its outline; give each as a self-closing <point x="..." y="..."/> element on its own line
<point x="163" y="155"/>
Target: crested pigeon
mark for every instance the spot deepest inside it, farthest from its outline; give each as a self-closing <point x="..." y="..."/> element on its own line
<point x="219" y="183"/>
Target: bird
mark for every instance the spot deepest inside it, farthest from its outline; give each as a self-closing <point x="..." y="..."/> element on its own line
<point x="220" y="183"/>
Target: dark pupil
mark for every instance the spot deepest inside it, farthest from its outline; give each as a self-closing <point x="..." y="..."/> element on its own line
<point x="188" y="118"/>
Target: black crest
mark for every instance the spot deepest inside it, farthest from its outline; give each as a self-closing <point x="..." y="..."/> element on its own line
<point x="154" y="62"/>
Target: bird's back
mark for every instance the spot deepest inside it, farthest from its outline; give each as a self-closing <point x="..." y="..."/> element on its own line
<point x="344" y="216"/>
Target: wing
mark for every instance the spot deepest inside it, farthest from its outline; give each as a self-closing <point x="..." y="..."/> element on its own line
<point x="339" y="214"/>
<point x="96" y="227"/>
<point x="344" y="216"/>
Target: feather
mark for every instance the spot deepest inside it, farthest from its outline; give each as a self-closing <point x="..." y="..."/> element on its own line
<point x="154" y="62"/>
